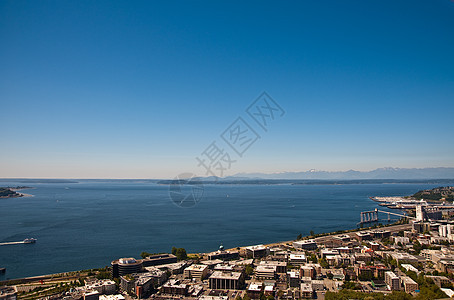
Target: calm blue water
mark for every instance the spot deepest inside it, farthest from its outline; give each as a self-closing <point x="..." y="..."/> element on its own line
<point x="88" y="224"/>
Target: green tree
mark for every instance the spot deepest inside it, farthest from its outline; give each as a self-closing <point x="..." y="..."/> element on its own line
<point x="181" y="254"/>
<point x="313" y="258"/>
<point x="249" y="270"/>
<point x="312" y="233"/>
<point x="417" y="247"/>
<point x="103" y="275"/>
<point x="323" y="263"/>
<point x="299" y="237"/>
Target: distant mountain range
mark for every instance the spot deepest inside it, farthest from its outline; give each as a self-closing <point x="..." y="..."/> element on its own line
<point x="381" y="173"/>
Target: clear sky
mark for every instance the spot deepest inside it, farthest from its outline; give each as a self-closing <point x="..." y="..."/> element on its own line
<point x="120" y="89"/>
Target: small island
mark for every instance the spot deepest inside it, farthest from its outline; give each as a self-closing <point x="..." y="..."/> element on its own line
<point x="11" y="192"/>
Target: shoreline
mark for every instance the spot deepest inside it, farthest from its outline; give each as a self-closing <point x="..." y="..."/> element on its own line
<point x="25" y="195"/>
<point x="19" y="195"/>
<point x="319" y="237"/>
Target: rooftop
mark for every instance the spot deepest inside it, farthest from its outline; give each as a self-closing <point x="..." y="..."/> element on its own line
<point x="127" y="261"/>
<point x="273" y="263"/>
<point x="262" y="268"/>
<point x="407" y="280"/>
<point x="196" y="267"/>
<point x="111" y="297"/>
<point x="306" y="287"/>
<point x="256" y="247"/>
<point x="391" y="274"/>
<point x="226" y="275"/>
<point x="255" y="287"/>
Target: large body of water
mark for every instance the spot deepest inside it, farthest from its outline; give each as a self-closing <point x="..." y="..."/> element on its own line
<point x="90" y="223"/>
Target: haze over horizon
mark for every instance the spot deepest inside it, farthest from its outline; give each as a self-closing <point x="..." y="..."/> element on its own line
<point x="139" y="90"/>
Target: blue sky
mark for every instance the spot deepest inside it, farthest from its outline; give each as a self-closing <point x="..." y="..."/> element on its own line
<point x="97" y="89"/>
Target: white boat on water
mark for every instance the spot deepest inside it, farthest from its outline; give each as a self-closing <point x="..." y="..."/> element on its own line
<point x="30" y="241"/>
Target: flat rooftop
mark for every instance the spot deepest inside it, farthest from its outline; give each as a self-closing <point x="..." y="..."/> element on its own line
<point x="262" y="268"/>
<point x="256" y="247"/>
<point x="254" y="287"/>
<point x="196" y="267"/>
<point x="225" y="275"/>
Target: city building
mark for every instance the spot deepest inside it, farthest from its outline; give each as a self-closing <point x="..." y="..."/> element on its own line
<point x="420" y="213"/>
<point x="196" y="271"/>
<point x="307" y="271"/>
<point x="105" y="286"/>
<point x="364" y="272"/>
<point x="159" y="259"/>
<point x="91" y="295"/>
<point x="255" y="290"/>
<point x="293" y="279"/>
<point x="208" y="297"/>
<point x="403" y="257"/>
<point x="111" y="297"/>
<point x="297" y="259"/>
<point x="306" y="291"/>
<point x="8" y="293"/>
<point x="221" y="280"/>
<point x="363" y="236"/>
<point x="223" y="254"/>
<point x="343" y="237"/>
<point x="175" y="268"/>
<point x="439" y="280"/>
<point x="269" y="289"/>
<point x="409" y="284"/>
<point x="328" y="252"/>
<point x="305" y="244"/>
<point x="401" y="239"/>
<point x="224" y="268"/>
<point x="374" y="246"/>
<point x="125" y="266"/>
<point x="318" y="285"/>
<point x="364" y="257"/>
<point x="256" y="251"/>
<point x="174" y="287"/>
<point x="392" y="280"/>
<point x="380" y="234"/>
<point x="409" y="267"/>
<point x="141" y="284"/>
<point x="281" y="266"/>
<point x="265" y="272"/>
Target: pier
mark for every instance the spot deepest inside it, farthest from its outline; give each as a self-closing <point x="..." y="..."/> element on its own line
<point x="369" y="216"/>
<point x="372" y="216"/>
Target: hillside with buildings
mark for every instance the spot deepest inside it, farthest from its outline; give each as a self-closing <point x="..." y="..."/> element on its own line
<point x="437" y="194"/>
